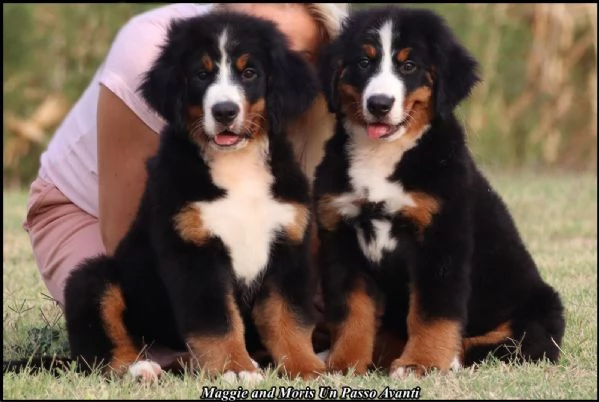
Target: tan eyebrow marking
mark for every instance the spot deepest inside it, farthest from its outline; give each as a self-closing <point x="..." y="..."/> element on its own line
<point x="242" y="62"/>
<point x="403" y="54"/>
<point x="207" y="63"/>
<point x="369" y="50"/>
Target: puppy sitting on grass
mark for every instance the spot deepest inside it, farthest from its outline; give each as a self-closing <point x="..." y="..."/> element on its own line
<point x="216" y="261"/>
<point x="422" y="265"/>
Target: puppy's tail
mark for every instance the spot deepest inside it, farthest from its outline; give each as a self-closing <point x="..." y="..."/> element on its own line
<point x="534" y="332"/>
<point x="35" y="364"/>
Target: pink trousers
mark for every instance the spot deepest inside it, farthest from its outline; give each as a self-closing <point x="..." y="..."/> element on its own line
<point x="62" y="235"/>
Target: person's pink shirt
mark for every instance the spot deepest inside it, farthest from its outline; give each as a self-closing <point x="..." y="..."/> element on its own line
<point x="70" y="162"/>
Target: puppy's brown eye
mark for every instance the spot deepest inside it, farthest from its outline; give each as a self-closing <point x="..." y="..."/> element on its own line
<point x="203" y="75"/>
<point x="407" y="67"/>
<point x="364" y="62"/>
<point x="249" y="74"/>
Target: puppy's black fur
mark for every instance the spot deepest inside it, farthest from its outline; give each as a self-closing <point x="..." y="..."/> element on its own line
<point x="173" y="280"/>
<point x="451" y="278"/>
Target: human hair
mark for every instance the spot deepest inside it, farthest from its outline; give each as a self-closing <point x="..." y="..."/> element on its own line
<point x="329" y="16"/>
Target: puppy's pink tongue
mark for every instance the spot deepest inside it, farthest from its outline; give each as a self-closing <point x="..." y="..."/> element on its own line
<point x="226" y="139"/>
<point x="377" y="130"/>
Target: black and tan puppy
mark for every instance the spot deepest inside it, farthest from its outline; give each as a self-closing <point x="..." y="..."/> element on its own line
<point x="219" y="248"/>
<point x="422" y="264"/>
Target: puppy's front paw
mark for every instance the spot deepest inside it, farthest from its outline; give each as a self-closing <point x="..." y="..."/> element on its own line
<point x="344" y="367"/>
<point x="406" y="365"/>
<point x="308" y="367"/>
<point x="146" y="371"/>
<point x="246" y="377"/>
<point x="341" y="360"/>
<point x="400" y="370"/>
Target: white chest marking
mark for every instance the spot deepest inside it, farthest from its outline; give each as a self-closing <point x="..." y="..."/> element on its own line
<point x="247" y="218"/>
<point x="381" y="241"/>
<point x="371" y="163"/>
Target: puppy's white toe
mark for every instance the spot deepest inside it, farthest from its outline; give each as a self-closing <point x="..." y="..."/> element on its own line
<point x="250" y="377"/>
<point x="456" y="364"/>
<point x="255" y="363"/>
<point x="403" y="372"/>
<point x="247" y="377"/>
<point x="399" y="373"/>
<point x="146" y="371"/>
<point x="323" y="355"/>
<point x="230" y="377"/>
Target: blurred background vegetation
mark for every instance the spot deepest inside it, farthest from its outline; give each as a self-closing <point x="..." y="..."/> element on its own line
<point x="537" y="106"/>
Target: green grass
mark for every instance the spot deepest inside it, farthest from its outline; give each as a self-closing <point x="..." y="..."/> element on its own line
<point x="556" y="215"/>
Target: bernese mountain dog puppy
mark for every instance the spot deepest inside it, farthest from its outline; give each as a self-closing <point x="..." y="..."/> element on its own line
<point x="422" y="265"/>
<point x="217" y="259"/>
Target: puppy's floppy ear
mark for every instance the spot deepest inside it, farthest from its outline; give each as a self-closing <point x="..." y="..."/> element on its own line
<point x="164" y="86"/>
<point x="292" y="86"/>
<point x="329" y="71"/>
<point x="456" y="74"/>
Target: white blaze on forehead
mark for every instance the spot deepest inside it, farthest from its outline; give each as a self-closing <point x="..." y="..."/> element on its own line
<point x="223" y="89"/>
<point x="385" y="81"/>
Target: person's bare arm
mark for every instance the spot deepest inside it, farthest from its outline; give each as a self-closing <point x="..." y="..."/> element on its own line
<point x="124" y="144"/>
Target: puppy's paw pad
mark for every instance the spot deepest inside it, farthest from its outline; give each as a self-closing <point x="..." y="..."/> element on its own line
<point x="145" y="371"/>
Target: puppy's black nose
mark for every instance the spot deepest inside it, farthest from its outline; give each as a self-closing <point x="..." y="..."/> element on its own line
<point x="379" y="105"/>
<point x="225" y="112"/>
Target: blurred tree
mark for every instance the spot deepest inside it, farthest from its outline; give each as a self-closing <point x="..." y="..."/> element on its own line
<point x="536" y="106"/>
